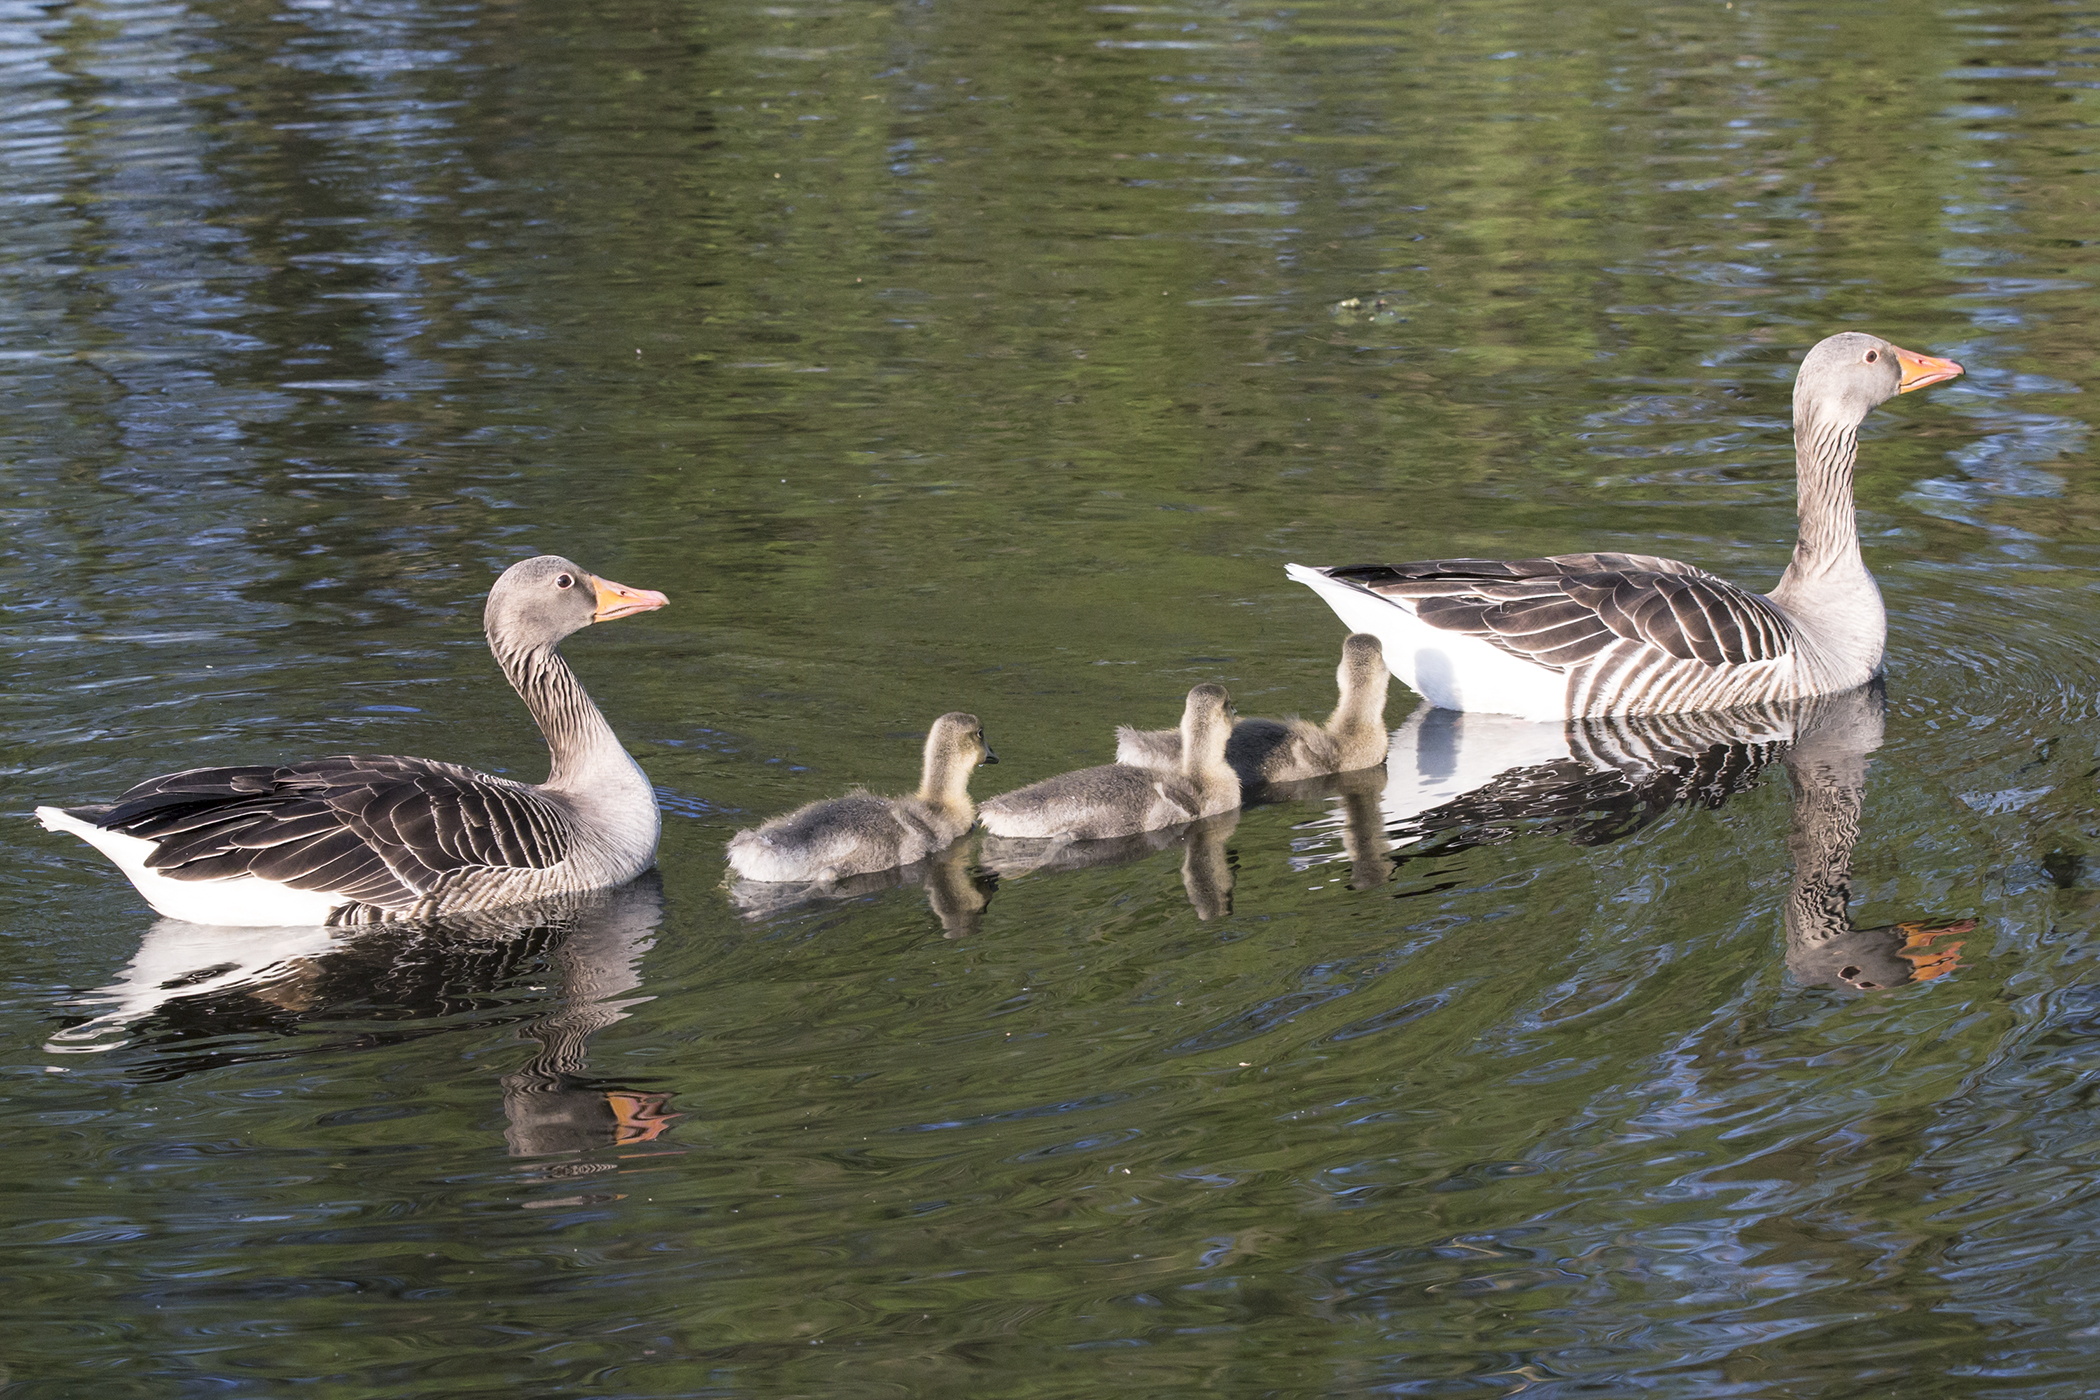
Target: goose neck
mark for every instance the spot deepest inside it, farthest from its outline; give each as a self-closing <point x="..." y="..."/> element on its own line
<point x="1825" y="450"/>
<point x="586" y="755"/>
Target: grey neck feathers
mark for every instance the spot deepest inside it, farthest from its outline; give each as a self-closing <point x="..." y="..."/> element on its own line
<point x="1824" y="454"/>
<point x="1840" y="624"/>
<point x="587" y="757"/>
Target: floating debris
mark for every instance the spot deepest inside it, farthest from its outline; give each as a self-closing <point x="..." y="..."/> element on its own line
<point x="1381" y="310"/>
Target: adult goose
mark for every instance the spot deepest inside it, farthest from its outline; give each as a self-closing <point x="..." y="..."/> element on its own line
<point x="362" y="839"/>
<point x="1577" y="635"/>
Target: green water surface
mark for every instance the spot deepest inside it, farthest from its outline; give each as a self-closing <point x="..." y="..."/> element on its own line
<point x="997" y="356"/>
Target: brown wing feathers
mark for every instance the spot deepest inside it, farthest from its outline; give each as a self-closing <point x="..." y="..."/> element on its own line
<point x="1566" y="608"/>
<point x="378" y="830"/>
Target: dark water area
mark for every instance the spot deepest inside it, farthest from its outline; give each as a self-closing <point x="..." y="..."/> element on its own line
<point x="997" y="357"/>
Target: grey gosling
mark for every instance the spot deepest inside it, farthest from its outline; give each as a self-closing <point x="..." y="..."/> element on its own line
<point x="1118" y="799"/>
<point x="1290" y="749"/>
<point x="860" y="832"/>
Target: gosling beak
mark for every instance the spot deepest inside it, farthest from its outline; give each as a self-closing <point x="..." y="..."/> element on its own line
<point x="618" y="600"/>
<point x="989" y="756"/>
<point x="1920" y="370"/>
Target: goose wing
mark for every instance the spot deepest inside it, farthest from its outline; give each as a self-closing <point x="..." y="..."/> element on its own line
<point x="1565" y="609"/>
<point x="377" y="830"/>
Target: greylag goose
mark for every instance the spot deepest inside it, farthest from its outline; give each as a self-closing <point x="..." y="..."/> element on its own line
<point x="360" y="839"/>
<point x="860" y="832"/>
<point x="1118" y="799"/>
<point x="1288" y="750"/>
<point x="1578" y="635"/>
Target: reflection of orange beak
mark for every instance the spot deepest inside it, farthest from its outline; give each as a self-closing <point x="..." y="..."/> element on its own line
<point x="1920" y="370"/>
<point x="640" y="1117"/>
<point x="1928" y="962"/>
<point x="618" y="600"/>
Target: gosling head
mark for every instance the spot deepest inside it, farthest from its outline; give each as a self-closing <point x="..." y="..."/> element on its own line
<point x="1363" y="663"/>
<point x="539" y="601"/>
<point x="1206" y="723"/>
<point x="1847" y="375"/>
<point x="954" y="746"/>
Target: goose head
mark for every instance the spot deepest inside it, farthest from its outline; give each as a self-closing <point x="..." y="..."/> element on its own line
<point x="1846" y="376"/>
<point x="539" y="601"/>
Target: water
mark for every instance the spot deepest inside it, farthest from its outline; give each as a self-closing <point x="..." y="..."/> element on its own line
<point x="997" y="357"/>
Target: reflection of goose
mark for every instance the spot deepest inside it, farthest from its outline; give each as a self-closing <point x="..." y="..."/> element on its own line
<point x="1455" y="781"/>
<point x="551" y="1104"/>
<point x="179" y="959"/>
<point x="1206" y="866"/>
<point x="362" y="839"/>
<point x="1828" y="767"/>
<point x="957" y="898"/>
<point x="1292" y="749"/>
<point x="1467" y="779"/>
<point x="243" y="995"/>
<point x="1601" y="634"/>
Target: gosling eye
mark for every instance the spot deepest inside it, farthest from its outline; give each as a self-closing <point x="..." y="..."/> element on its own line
<point x="564" y="581"/>
<point x="1872" y="356"/>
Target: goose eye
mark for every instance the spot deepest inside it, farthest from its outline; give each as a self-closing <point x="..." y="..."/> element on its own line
<point x="564" y="581"/>
<point x="1872" y="356"/>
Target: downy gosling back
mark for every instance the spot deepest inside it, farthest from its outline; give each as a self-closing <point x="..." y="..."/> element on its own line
<point x="861" y="832"/>
<point x="1289" y="749"/>
<point x="1118" y="799"/>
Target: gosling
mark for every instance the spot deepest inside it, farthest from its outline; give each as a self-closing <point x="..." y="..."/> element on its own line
<point x="861" y="832"/>
<point x="1120" y="799"/>
<point x="1288" y="750"/>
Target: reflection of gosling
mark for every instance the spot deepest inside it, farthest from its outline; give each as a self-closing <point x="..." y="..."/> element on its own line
<point x="1206" y="866"/>
<point x="860" y="832"/>
<point x="1118" y="799"/>
<point x="1285" y="750"/>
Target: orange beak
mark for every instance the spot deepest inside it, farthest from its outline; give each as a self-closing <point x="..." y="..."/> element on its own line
<point x="1920" y="370"/>
<point x="618" y="600"/>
